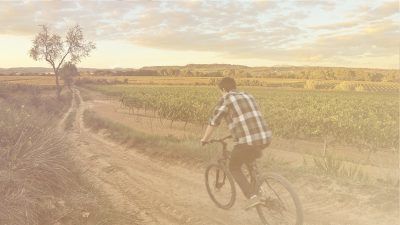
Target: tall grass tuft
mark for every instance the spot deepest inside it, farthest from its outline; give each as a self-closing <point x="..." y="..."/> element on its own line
<point x="34" y="167"/>
<point x="329" y="165"/>
<point x="33" y="171"/>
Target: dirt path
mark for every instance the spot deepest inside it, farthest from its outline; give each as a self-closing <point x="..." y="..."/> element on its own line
<point x="161" y="193"/>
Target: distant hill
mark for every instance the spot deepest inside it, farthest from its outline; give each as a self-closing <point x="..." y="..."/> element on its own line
<point x="277" y="71"/>
<point x="220" y="70"/>
<point x="198" y="66"/>
<point x="25" y="70"/>
<point x="35" y="70"/>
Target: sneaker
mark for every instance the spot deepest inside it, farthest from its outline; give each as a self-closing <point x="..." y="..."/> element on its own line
<point x="253" y="201"/>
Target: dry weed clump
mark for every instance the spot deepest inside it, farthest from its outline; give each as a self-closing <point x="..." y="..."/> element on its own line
<point x="34" y="167"/>
<point x="39" y="181"/>
<point x="33" y="172"/>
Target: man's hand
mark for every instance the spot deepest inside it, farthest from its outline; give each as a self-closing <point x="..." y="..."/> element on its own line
<point x="207" y="134"/>
<point x="203" y="141"/>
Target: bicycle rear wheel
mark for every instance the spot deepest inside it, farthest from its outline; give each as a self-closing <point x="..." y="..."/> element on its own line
<point x="220" y="186"/>
<point x="281" y="205"/>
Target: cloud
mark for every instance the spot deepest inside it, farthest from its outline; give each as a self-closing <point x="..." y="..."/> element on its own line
<point x="384" y="10"/>
<point x="338" y="25"/>
<point x="286" y="31"/>
<point x="324" y="4"/>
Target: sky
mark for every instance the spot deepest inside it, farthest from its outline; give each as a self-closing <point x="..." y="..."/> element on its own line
<point x="133" y="34"/>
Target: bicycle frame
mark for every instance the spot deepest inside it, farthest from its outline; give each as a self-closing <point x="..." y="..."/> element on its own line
<point x="254" y="176"/>
<point x="225" y="153"/>
<point x="224" y="160"/>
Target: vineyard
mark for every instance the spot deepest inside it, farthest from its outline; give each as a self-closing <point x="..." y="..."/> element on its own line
<point x="366" y="120"/>
<point x="359" y="86"/>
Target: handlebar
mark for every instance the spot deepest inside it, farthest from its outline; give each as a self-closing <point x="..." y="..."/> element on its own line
<point x="221" y="140"/>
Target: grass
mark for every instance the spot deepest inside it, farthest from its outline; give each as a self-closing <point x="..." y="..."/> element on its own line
<point x="39" y="181"/>
<point x="36" y="171"/>
<point x="34" y="167"/>
<point x="86" y="95"/>
<point x="151" y="144"/>
<point x="330" y="165"/>
<point x="187" y="150"/>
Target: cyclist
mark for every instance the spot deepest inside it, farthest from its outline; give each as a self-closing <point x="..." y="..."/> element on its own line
<point x="248" y="128"/>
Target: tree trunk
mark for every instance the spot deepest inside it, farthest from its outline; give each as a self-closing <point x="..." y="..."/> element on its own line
<point x="58" y="87"/>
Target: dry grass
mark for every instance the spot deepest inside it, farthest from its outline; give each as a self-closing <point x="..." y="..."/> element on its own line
<point x="33" y="166"/>
<point x="170" y="147"/>
<point x="34" y="170"/>
<point x="330" y="165"/>
<point x="39" y="182"/>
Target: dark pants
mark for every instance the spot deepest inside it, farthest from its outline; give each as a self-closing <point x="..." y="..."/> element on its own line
<point x="244" y="154"/>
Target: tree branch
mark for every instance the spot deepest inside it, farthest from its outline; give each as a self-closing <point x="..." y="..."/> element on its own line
<point x="63" y="58"/>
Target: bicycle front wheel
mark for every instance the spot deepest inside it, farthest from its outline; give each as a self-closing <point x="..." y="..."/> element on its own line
<point x="220" y="186"/>
<point x="281" y="205"/>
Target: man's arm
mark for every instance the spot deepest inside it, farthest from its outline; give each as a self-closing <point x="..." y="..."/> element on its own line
<point x="215" y="120"/>
<point x="209" y="130"/>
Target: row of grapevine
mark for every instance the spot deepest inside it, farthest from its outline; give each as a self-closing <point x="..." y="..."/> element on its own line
<point x="368" y="120"/>
<point x="173" y="105"/>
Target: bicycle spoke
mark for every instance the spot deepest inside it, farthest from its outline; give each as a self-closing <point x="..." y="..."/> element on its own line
<point x="276" y="194"/>
<point x="278" y="206"/>
<point x="220" y="188"/>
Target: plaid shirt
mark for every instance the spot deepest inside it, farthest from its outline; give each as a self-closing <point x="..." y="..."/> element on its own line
<point x="243" y="117"/>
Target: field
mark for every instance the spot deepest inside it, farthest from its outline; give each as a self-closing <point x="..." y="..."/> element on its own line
<point x="109" y="113"/>
<point x="137" y="138"/>
<point x="292" y="114"/>
<point x="167" y="121"/>
<point x="360" y="86"/>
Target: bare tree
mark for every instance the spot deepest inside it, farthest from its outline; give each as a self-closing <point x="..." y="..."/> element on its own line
<point x="54" y="50"/>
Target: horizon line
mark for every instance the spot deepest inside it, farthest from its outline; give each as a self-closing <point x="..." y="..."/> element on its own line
<point x="282" y="66"/>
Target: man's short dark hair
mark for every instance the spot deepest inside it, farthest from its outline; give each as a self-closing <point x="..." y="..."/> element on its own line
<point x="227" y="84"/>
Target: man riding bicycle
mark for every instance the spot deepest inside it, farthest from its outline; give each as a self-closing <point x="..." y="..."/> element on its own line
<point x="248" y="128"/>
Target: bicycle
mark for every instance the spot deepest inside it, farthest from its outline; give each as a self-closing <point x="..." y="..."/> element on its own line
<point x="273" y="208"/>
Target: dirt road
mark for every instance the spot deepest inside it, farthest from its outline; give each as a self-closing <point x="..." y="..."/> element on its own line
<point x="161" y="193"/>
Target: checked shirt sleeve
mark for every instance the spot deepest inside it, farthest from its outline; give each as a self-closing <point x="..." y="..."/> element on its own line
<point x="219" y="112"/>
